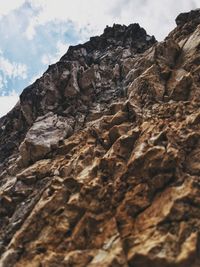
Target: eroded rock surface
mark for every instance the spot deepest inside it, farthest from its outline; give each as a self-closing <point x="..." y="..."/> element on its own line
<point x="100" y="159"/>
<point x="42" y="137"/>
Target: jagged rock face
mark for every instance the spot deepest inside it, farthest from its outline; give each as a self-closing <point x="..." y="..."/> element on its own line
<point x="42" y="137"/>
<point x="102" y="163"/>
<point x="87" y="77"/>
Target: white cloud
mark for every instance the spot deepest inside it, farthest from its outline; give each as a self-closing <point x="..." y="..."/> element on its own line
<point x="7" y="103"/>
<point x="35" y="77"/>
<point x="12" y="69"/>
<point x="61" y="48"/>
<point x="9" y="5"/>
<point x="91" y="15"/>
<point x="48" y="59"/>
<point x="156" y="16"/>
<point x="30" y="31"/>
<point x="1" y="83"/>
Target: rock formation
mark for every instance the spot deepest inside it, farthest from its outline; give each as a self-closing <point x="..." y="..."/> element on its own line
<point x="100" y="159"/>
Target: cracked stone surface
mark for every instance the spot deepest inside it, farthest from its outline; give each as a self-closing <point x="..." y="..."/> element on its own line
<point x="100" y="159"/>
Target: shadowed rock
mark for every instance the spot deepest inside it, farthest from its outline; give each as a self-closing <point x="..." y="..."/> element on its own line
<point x="100" y="158"/>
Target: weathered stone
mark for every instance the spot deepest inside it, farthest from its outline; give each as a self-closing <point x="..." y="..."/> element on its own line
<point x="110" y="177"/>
<point x="43" y="137"/>
<point x="72" y="87"/>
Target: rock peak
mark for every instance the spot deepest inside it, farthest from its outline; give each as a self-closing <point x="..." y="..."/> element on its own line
<point x="118" y="35"/>
<point x="193" y="15"/>
<point x="99" y="162"/>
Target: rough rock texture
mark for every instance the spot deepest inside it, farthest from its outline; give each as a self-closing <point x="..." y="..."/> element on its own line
<point x="100" y="160"/>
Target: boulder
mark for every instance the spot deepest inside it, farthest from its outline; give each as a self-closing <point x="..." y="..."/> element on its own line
<point x="43" y="137"/>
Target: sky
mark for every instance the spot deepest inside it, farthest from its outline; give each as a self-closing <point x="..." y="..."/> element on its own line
<point x="36" y="33"/>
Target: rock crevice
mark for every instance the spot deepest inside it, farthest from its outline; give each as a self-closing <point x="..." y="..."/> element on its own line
<point x="99" y="162"/>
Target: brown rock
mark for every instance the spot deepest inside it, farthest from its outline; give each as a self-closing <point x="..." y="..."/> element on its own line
<point x="109" y="177"/>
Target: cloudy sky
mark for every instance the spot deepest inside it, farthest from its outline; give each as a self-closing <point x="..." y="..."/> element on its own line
<point x="36" y="33"/>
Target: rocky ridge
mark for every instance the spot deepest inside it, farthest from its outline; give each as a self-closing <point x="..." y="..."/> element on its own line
<point x="99" y="162"/>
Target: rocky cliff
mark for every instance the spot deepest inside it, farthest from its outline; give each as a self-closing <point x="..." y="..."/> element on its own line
<point x="100" y="159"/>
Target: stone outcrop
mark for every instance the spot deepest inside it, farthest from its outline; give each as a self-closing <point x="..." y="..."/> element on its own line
<point x="42" y="137"/>
<point x="99" y="161"/>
